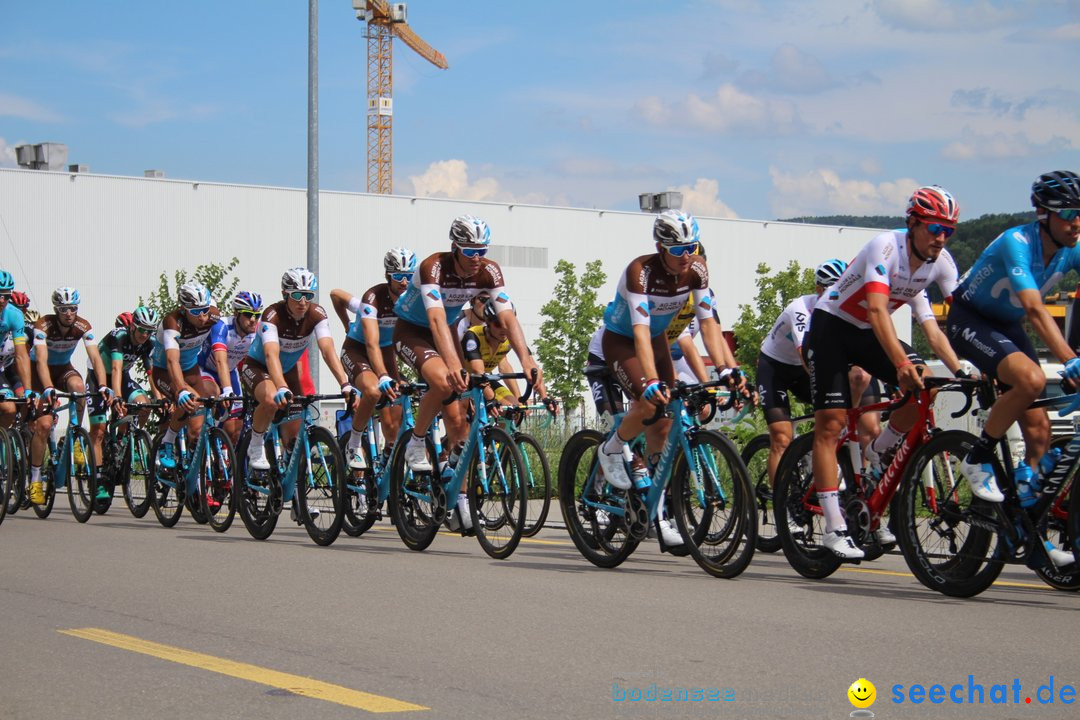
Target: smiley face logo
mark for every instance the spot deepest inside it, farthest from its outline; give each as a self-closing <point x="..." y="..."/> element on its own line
<point x="862" y="693"/>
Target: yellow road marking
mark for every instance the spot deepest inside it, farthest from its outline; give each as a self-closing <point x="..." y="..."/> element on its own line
<point x="296" y="684"/>
<point x="1002" y="583"/>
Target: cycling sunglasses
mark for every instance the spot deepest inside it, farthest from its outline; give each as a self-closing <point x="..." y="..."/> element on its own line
<point x="680" y="250"/>
<point x="67" y="308"/>
<point x="299" y="295"/>
<point x="1067" y="214"/>
<point x="399" y="276"/>
<point x="936" y="229"/>
<point x="472" y="252"/>
<point x="249" y="314"/>
<point x="197" y="312"/>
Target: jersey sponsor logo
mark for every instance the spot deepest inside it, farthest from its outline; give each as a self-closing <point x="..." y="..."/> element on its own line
<point x="834" y="295"/>
<point x="1019" y="271"/>
<point x="434" y="295"/>
<point x="643" y="309"/>
<point x="368" y="310"/>
<point x="503" y="297"/>
<point x="39" y="335"/>
<point x="880" y="269"/>
<point x="89" y="336"/>
<point x="471" y="345"/>
<point x="265" y="327"/>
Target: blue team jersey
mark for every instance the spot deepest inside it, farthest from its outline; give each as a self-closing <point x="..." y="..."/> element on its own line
<point x="1011" y="263"/>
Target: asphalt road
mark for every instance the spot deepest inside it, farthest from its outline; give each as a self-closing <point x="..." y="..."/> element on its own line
<point x="120" y="618"/>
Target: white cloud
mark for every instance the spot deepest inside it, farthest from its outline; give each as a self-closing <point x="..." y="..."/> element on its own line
<point x="7" y="154"/>
<point x="14" y="106"/>
<point x="791" y="71"/>
<point x="824" y="192"/>
<point x="450" y="178"/>
<point x="1001" y="146"/>
<point x="703" y="199"/>
<point x="727" y="110"/>
<point x="935" y="16"/>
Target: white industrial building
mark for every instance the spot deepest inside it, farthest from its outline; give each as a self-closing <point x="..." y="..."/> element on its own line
<point x="111" y="237"/>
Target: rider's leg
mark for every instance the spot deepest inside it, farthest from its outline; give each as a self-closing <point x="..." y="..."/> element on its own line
<point x="780" y="434"/>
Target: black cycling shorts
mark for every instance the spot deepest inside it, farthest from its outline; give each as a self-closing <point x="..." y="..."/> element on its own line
<point x="775" y="381"/>
<point x="832" y="346"/>
<point x="983" y="341"/>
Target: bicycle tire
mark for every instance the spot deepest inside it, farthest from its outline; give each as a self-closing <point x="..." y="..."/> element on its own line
<point x="956" y="569"/>
<point x="794" y="477"/>
<point x="605" y="542"/>
<point x="20" y="473"/>
<point x="498" y="501"/>
<point x="361" y="494"/>
<point x="714" y="506"/>
<point x="538" y="475"/>
<point x="48" y="479"/>
<point x="166" y="499"/>
<point x="7" y="470"/>
<point x="217" y="481"/>
<point x="755" y="455"/>
<point x="412" y="515"/>
<point x="82" y="485"/>
<point x="323" y="487"/>
<point x="258" y="503"/>
<point x="135" y="473"/>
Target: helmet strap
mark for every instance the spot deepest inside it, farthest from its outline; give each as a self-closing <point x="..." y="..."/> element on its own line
<point x="915" y="251"/>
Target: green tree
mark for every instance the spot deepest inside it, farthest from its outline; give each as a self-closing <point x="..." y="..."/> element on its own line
<point x="571" y="317"/>
<point x="218" y="277"/>
<point x="774" y="292"/>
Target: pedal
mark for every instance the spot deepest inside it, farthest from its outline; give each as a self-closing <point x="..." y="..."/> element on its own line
<point x="637" y="517"/>
<point x="438" y="502"/>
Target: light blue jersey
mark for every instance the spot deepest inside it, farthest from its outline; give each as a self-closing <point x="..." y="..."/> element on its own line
<point x="1011" y="263"/>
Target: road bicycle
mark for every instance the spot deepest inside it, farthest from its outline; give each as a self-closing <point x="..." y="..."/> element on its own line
<point x="864" y="498"/>
<point x="127" y="458"/>
<point x="537" y="470"/>
<point x="491" y="465"/>
<point x="367" y="490"/>
<point x="69" y="464"/>
<point x="711" y="497"/>
<point x="957" y="544"/>
<point x="755" y="454"/>
<point x="309" y="472"/>
<point x="208" y="463"/>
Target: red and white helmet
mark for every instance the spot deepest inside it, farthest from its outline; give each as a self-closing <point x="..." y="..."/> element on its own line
<point x="934" y="203"/>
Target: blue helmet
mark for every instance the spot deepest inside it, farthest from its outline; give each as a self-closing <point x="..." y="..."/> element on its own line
<point x="7" y="283"/>
<point x="829" y="272"/>
<point x="675" y="227"/>
<point x="469" y="230"/>
<point x="247" y="301"/>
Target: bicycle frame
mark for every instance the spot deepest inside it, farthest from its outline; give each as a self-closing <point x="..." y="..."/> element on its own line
<point x="63" y="470"/>
<point x="382" y="476"/>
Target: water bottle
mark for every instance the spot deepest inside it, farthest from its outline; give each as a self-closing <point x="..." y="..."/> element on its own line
<point x="1022" y="478"/>
<point x="639" y="472"/>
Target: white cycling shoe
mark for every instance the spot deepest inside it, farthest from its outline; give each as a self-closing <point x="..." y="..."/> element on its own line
<point x="670" y="534"/>
<point x="416" y="456"/>
<point x="256" y="457"/>
<point x="981" y="480"/>
<point x="841" y="545"/>
<point x="614" y="469"/>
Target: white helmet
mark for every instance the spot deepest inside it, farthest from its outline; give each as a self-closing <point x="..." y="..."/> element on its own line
<point x="65" y="296"/>
<point x="829" y="272"/>
<point x="299" y="278"/>
<point x="399" y="260"/>
<point x="469" y="230"/>
<point x="675" y="227"/>
<point x="194" y="295"/>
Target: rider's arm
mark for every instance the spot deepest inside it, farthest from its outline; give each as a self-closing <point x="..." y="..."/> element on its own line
<point x="41" y="354"/>
<point x="344" y="302"/>
<point x="444" y="339"/>
<point x="271" y="348"/>
<point x="880" y="319"/>
<point x="22" y="365"/>
<point x="715" y="345"/>
<point x="1044" y="324"/>
<point x="330" y="357"/>
<point x="370" y="326"/>
<point x="506" y="368"/>
<point x="940" y="345"/>
<point x="693" y="358"/>
<point x="116" y="375"/>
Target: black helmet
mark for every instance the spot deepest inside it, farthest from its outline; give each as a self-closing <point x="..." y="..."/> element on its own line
<point x="491" y="313"/>
<point x="1056" y="190"/>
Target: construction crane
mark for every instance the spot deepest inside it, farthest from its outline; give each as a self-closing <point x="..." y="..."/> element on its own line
<point x="384" y="22"/>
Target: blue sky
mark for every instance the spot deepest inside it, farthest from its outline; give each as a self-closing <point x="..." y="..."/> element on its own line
<point x="753" y="109"/>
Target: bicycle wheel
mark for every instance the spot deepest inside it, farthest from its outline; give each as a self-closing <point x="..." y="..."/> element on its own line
<point x="755" y="455"/>
<point x="602" y="537"/>
<point x="714" y="507"/>
<point x="166" y="486"/>
<point x="258" y="496"/>
<point x="7" y="471"/>
<point x="795" y="505"/>
<point x="320" y="486"/>
<point x="216" y="481"/>
<point x="941" y="526"/>
<point x="48" y="480"/>
<point x="20" y="473"/>
<point x="538" y="476"/>
<point x="411" y="501"/>
<point x="135" y="472"/>
<point x="82" y="485"/>
<point x="361" y="495"/>
<point x="1061" y="531"/>
<point x="497" y="493"/>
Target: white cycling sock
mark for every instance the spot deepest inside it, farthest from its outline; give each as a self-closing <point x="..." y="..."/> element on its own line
<point x="170" y="436"/>
<point x="830" y="505"/>
<point x="887" y="439"/>
<point x="256" y="440"/>
<point x="614" y="445"/>
<point x="35" y="473"/>
<point x="354" y="439"/>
